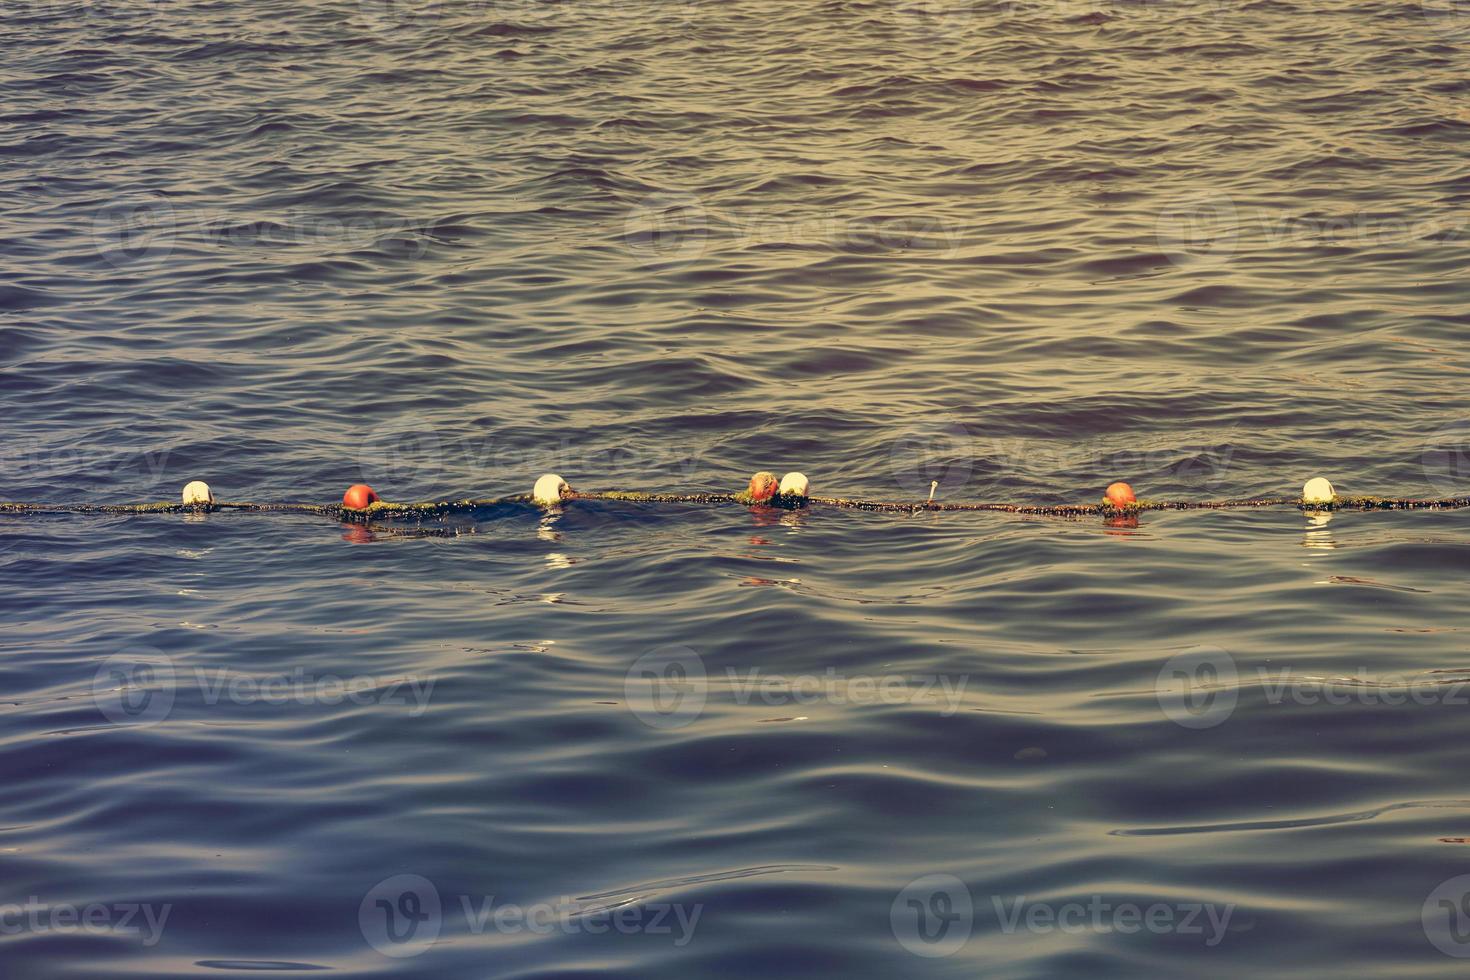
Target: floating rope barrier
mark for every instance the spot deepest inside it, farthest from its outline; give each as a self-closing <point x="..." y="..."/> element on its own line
<point x="377" y="510"/>
<point x="361" y="504"/>
<point x="1102" y="509"/>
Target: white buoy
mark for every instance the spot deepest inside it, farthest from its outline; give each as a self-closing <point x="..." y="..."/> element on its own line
<point x="551" y="490"/>
<point x="794" y="484"/>
<point x="197" y="492"/>
<point x="933" y="486"/>
<point x="1318" y="491"/>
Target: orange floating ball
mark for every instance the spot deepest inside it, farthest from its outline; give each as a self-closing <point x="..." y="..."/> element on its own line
<point x="358" y="496"/>
<point x="763" y="486"/>
<point x="1121" y="495"/>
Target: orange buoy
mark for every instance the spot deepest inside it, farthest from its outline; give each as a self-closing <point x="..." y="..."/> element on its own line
<point x="358" y="496"/>
<point x="763" y="486"/>
<point x="1121" y="495"/>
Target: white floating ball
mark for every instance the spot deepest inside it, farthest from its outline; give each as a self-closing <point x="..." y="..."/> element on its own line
<point x="795" y="484"/>
<point x="1318" y="491"/>
<point x="197" y="492"/>
<point x="550" y="489"/>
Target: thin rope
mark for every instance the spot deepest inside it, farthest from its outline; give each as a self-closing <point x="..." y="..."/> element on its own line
<point x="377" y="511"/>
<point x="1103" y="508"/>
<point x="429" y="510"/>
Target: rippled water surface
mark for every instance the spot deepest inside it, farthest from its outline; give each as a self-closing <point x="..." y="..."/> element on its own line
<point x="1021" y="248"/>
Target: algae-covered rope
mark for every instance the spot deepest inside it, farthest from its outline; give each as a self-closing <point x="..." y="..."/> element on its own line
<point x="1104" y="509"/>
<point x="377" y="510"/>
<point x="427" y="510"/>
<point x="163" y="508"/>
<point x="361" y="504"/>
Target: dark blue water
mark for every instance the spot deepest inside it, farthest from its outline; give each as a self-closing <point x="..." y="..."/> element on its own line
<point x="1024" y="249"/>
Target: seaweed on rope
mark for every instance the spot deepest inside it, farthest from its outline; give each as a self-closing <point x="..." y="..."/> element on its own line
<point x="430" y="510"/>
